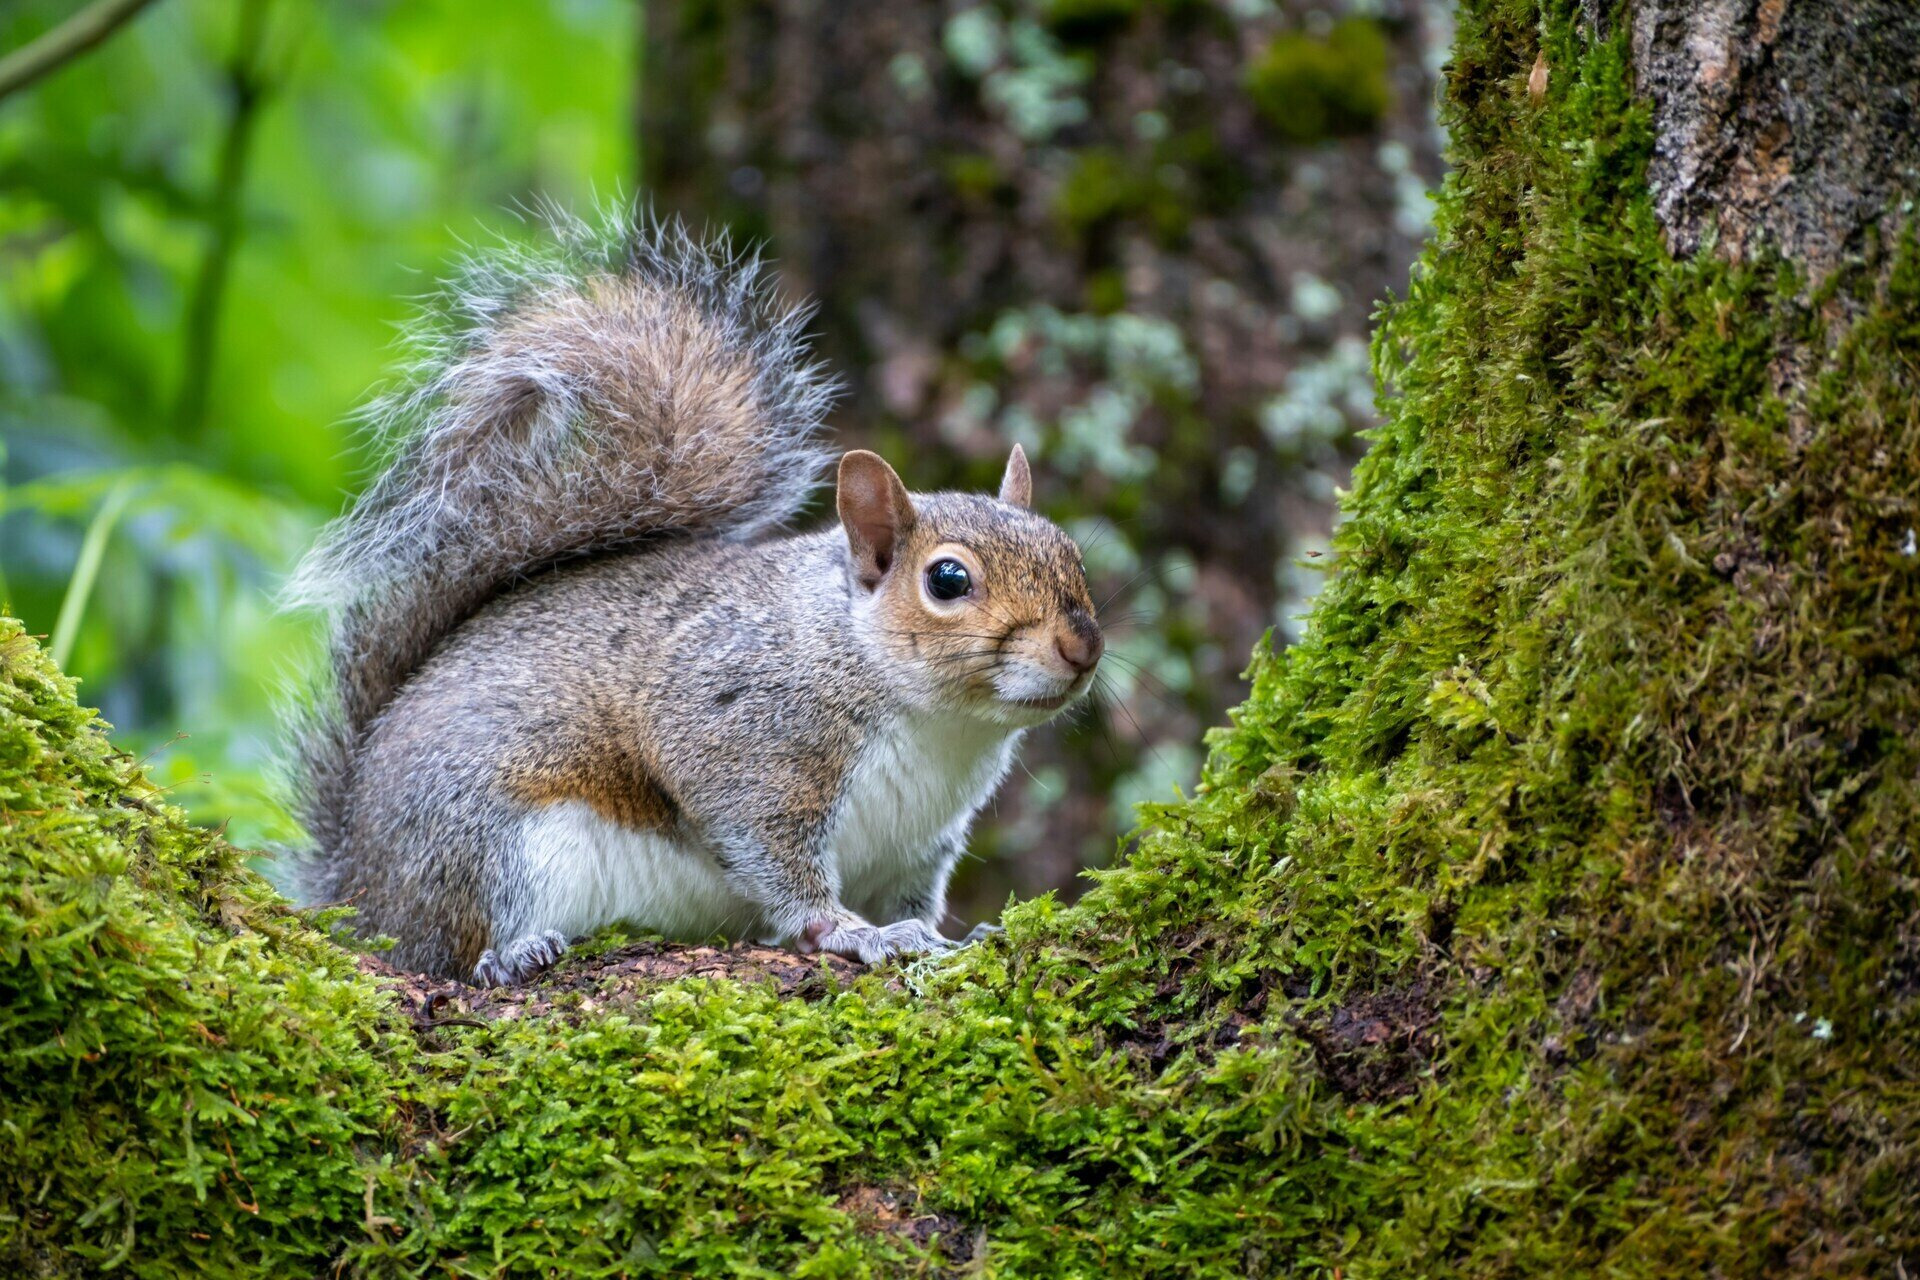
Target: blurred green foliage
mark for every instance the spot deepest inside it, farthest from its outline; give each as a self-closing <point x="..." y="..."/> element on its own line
<point x="209" y="228"/>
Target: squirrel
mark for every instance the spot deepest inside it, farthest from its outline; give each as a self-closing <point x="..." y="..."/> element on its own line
<point x="580" y="673"/>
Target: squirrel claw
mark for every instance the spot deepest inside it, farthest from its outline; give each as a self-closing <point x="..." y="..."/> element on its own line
<point x="871" y="944"/>
<point x="520" y="960"/>
<point x="980" y="933"/>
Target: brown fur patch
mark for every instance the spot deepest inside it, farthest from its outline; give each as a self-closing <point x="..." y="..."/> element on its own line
<point x="469" y="936"/>
<point x="668" y="377"/>
<point x="610" y="778"/>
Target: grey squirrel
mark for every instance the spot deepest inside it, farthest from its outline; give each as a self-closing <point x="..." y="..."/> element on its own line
<point x="580" y="675"/>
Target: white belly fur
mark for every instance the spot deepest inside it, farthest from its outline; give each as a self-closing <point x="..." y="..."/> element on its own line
<point x="912" y="784"/>
<point x="587" y="872"/>
<point x="914" y="781"/>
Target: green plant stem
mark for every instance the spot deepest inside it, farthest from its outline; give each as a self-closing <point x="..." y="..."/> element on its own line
<point x="73" y="606"/>
<point x="65" y="42"/>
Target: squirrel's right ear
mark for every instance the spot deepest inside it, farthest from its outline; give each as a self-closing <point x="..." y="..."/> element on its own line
<point x="876" y="512"/>
<point x="1016" y="486"/>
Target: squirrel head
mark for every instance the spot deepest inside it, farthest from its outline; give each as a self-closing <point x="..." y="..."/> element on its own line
<point x="971" y="603"/>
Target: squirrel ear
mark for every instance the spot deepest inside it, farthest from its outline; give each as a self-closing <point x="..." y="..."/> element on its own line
<point x="876" y="512"/>
<point x="1016" y="486"/>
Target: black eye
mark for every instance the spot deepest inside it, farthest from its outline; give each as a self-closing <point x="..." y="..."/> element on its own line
<point x="948" y="580"/>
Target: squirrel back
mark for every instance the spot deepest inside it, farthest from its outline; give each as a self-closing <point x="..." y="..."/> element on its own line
<point x="622" y="383"/>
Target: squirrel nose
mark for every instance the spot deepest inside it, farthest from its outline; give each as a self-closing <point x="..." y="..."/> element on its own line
<point x="1079" y="644"/>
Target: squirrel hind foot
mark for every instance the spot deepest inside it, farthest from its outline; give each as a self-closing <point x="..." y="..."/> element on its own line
<point x="519" y="961"/>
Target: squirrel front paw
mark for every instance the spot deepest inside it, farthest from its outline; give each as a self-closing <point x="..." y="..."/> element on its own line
<point x="872" y="943"/>
<point x="519" y="960"/>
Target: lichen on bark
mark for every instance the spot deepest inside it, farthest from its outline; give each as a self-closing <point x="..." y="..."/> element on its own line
<point x="1551" y="908"/>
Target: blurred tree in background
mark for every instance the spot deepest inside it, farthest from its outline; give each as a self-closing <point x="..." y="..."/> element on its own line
<point x="1142" y="236"/>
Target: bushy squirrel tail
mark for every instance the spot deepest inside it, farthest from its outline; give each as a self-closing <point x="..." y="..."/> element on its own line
<point x="622" y="382"/>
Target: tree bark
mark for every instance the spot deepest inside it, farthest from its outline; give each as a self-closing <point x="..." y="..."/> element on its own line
<point x="1781" y="125"/>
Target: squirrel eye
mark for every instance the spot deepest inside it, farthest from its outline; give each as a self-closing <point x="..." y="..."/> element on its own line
<point x="948" y="580"/>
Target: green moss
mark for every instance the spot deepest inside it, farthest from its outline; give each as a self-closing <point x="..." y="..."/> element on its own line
<point x="1099" y="187"/>
<point x="1213" y="180"/>
<point x="973" y="175"/>
<point x="1550" y="909"/>
<point x="1107" y="292"/>
<point x="1309" y="88"/>
<point x="188" y="1073"/>
<point x="1103" y="186"/>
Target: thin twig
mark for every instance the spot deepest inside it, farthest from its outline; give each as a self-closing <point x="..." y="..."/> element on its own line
<point x="65" y="42"/>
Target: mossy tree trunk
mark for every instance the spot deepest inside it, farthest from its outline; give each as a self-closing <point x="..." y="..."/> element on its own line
<point x="1600" y="768"/>
<point x="1551" y="908"/>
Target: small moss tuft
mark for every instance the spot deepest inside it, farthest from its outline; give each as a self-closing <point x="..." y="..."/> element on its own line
<point x="1309" y="88"/>
<point x="1099" y="187"/>
<point x="1107" y="292"/>
<point x="1104" y="186"/>
<point x="973" y="175"/>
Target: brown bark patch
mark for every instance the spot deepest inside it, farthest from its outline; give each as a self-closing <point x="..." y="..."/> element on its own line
<point x="1378" y="1046"/>
<point x="1763" y="112"/>
<point x="888" y="1211"/>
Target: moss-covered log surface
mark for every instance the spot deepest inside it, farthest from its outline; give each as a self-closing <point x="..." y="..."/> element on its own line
<point x="1551" y="909"/>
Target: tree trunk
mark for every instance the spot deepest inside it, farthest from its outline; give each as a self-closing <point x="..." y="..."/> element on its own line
<point x="1551" y="908"/>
